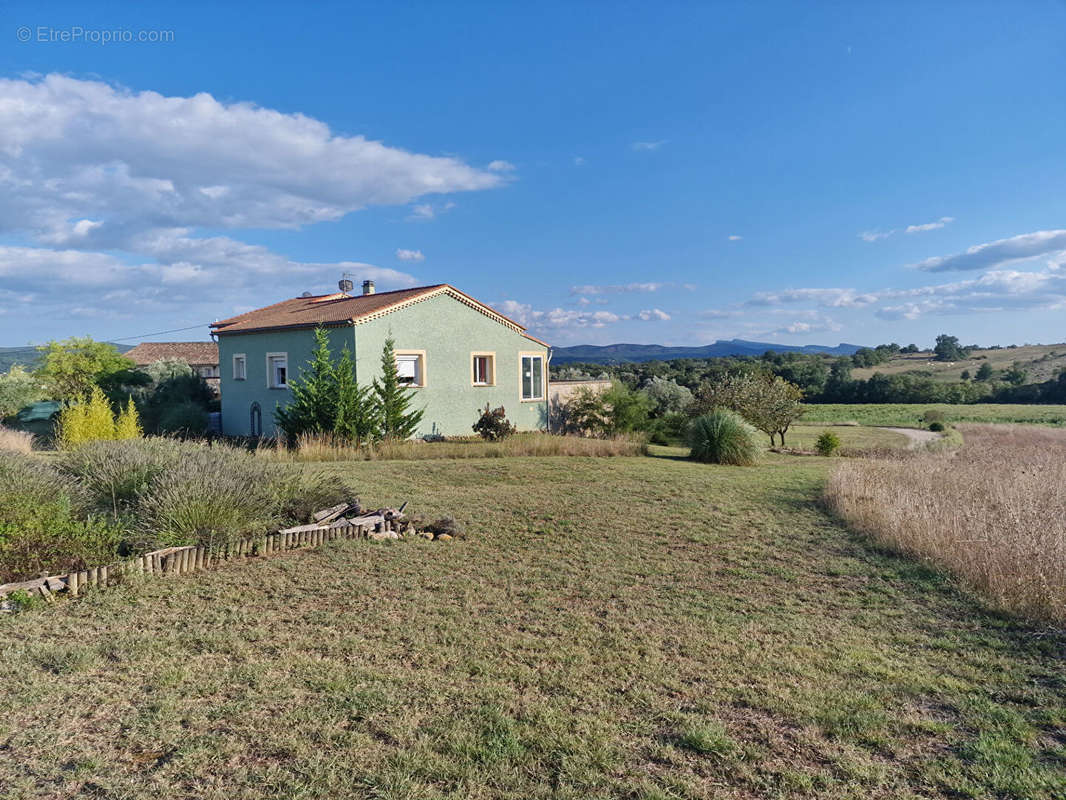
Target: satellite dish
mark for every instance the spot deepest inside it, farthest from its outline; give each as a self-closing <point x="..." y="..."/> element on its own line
<point x="307" y="294"/>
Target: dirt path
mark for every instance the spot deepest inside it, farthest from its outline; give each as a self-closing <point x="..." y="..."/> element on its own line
<point x="917" y="436"/>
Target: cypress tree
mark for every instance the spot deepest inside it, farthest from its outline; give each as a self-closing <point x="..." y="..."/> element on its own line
<point x="357" y="417"/>
<point x="398" y="420"/>
<point x="313" y="407"/>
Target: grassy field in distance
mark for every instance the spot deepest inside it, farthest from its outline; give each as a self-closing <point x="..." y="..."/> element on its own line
<point x="908" y="415"/>
<point x="627" y="627"/>
<point x="1042" y="361"/>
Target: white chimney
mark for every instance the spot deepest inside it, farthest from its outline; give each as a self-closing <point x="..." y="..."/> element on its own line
<point x="368" y="287"/>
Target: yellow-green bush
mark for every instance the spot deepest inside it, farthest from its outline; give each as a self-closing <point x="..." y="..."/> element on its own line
<point x="91" y="419"/>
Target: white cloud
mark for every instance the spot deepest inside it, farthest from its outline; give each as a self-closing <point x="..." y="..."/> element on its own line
<point x="71" y="147"/>
<point x="929" y="226"/>
<point x="409" y="255"/>
<point x="428" y="211"/>
<point x="571" y="320"/>
<point x="998" y="253"/>
<point x="618" y="288"/>
<point x="647" y="146"/>
<point x="735" y="238"/>
<point x="875" y="236"/>
<point x="579" y="161"/>
<point x="656" y="314"/>
<point x="833" y="298"/>
<point x="499" y="165"/>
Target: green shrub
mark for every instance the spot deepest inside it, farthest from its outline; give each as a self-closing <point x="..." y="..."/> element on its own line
<point x="115" y="474"/>
<point x="187" y="418"/>
<point x="936" y="426"/>
<point x="213" y="495"/>
<point x="827" y="444"/>
<point x="723" y="437"/>
<point x="493" y="425"/>
<point x="299" y="493"/>
<point x="44" y="526"/>
<point x="933" y="415"/>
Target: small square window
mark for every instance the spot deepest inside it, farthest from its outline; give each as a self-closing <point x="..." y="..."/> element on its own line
<point x="484" y="369"/>
<point x="240" y="367"/>
<point x="278" y="370"/>
<point x="411" y="368"/>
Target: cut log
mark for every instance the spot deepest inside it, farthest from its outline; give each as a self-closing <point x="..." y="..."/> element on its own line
<point x="330" y="514"/>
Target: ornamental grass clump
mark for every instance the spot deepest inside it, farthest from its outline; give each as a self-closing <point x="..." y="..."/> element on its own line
<point x="116" y="473"/>
<point x="723" y="437"/>
<point x="212" y="496"/>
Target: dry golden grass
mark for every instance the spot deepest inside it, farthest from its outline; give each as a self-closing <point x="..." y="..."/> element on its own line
<point x="993" y="512"/>
<point x="17" y="441"/>
<point x="326" y="448"/>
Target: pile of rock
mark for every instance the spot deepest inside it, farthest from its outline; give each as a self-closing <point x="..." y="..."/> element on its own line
<point x="382" y="523"/>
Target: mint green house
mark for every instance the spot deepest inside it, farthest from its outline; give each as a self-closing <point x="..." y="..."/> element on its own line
<point x="456" y="354"/>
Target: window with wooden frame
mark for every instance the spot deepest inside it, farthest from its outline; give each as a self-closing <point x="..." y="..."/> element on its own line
<point x="532" y="376"/>
<point x="240" y="367"/>
<point x="277" y="370"/>
<point x="483" y="369"/>
<point x="411" y="368"/>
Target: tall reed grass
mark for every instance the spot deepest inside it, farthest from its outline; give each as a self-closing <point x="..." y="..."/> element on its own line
<point x="993" y="512"/>
<point x="326" y="448"/>
<point x="15" y="441"/>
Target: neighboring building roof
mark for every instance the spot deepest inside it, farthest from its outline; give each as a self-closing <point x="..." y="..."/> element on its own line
<point x="344" y="309"/>
<point x="39" y="412"/>
<point x="190" y="352"/>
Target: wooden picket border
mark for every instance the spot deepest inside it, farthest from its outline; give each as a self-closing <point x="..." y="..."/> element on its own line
<point x="181" y="560"/>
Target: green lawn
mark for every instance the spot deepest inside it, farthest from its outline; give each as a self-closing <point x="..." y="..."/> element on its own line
<point x="802" y="437"/>
<point x="908" y="415"/>
<point x="626" y="627"/>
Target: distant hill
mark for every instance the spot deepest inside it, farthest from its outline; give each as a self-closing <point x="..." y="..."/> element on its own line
<point x="621" y="353"/>
<point x="28" y="356"/>
<point x="1041" y="362"/>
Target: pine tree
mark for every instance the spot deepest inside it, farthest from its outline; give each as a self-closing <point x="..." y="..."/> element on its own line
<point x="398" y="421"/>
<point x="313" y="408"/>
<point x="357" y="417"/>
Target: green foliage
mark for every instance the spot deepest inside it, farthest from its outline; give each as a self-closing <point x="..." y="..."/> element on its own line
<point x="616" y="411"/>
<point x="711" y="739"/>
<point x="164" y="369"/>
<point x="44" y="523"/>
<point x="768" y="402"/>
<point x="327" y="399"/>
<point x="933" y="415"/>
<point x="948" y="348"/>
<point x="187" y="418"/>
<point x="492" y="424"/>
<point x="827" y="443"/>
<point x="313" y="407"/>
<point x="1016" y="375"/>
<point x="723" y="437"/>
<point x="964" y="375"/>
<point x="936" y="426"/>
<point x="297" y="494"/>
<point x="666" y="396"/>
<point x="73" y="366"/>
<point x="398" y="420"/>
<point x="18" y="389"/>
<point x="116" y="473"/>
<point x="358" y="417"/>
<point x="985" y="372"/>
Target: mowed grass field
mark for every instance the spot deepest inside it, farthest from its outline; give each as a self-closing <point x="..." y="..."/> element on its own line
<point x="909" y="415"/>
<point x="626" y="627"/>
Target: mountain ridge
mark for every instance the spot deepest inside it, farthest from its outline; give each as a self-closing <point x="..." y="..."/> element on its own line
<point x="623" y="352"/>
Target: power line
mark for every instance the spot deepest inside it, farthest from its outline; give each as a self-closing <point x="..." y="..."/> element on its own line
<point x="30" y="348"/>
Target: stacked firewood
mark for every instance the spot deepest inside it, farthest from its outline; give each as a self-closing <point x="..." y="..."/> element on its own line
<point x="382" y="523"/>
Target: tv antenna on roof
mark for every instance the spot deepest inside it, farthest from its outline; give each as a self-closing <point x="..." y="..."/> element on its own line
<point x="346" y="284"/>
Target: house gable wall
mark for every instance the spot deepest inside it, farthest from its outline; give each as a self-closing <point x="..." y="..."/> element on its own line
<point x="450" y="332"/>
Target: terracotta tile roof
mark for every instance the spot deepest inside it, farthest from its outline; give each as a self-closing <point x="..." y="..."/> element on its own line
<point x="191" y="352"/>
<point x="342" y="309"/>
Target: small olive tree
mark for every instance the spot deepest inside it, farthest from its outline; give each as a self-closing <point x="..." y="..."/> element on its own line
<point x="768" y="402"/>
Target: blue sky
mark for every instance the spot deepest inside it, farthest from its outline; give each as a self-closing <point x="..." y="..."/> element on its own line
<point x="668" y="173"/>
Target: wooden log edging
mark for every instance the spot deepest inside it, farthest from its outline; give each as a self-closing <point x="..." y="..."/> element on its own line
<point x="171" y="561"/>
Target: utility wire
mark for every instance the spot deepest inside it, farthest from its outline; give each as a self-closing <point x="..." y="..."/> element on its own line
<point x="30" y="348"/>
